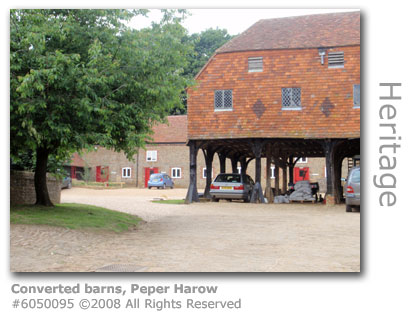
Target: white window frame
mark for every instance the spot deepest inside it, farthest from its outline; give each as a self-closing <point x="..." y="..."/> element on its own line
<point x="204" y="173"/>
<point x="291" y="107"/>
<point x="126" y="170"/>
<point x="230" y="108"/>
<point x="151" y="155"/>
<point x="272" y="170"/>
<point x="177" y="176"/>
<point x="301" y="160"/>
<point x="239" y="170"/>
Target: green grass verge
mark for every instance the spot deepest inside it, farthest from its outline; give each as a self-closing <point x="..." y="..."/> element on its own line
<point x="74" y="216"/>
<point x="171" y="201"/>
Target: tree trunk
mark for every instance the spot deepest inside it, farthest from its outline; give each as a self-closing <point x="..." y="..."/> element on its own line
<point x="40" y="178"/>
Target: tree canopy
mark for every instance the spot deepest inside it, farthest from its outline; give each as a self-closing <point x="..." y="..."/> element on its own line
<point x="82" y="77"/>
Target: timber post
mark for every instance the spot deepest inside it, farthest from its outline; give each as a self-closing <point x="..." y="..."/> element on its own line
<point x="268" y="193"/>
<point x="208" y="155"/>
<point x="257" y="194"/>
<point x="192" y="195"/>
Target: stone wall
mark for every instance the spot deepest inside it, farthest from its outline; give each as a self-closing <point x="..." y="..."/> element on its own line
<point x="22" y="189"/>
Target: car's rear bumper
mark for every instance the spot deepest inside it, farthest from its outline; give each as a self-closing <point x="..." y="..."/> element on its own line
<point x="155" y="184"/>
<point x="228" y="195"/>
<point x="352" y="201"/>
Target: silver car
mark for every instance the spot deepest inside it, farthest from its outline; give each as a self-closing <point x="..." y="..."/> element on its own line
<point x="231" y="186"/>
<point x="353" y="189"/>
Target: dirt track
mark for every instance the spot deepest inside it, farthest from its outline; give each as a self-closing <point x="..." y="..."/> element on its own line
<point x="198" y="237"/>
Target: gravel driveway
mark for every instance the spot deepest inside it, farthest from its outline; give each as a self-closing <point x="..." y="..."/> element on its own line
<point x="224" y="236"/>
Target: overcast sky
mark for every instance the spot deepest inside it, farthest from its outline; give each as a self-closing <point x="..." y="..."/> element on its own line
<point x="234" y="20"/>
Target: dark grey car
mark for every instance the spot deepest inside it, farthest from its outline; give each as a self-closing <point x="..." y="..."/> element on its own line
<point x="353" y="189"/>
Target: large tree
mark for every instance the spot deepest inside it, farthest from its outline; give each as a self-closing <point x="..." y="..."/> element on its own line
<point x="82" y="77"/>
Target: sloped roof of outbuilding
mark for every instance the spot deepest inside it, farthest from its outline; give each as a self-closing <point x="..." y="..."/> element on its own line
<point x="175" y="131"/>
<point x="311" y="31"/>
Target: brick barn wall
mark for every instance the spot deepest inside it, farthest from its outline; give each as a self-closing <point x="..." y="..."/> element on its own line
<point x="326" y="96"/>
<point x="115" y="160"/>
<point x="22" y="189"/>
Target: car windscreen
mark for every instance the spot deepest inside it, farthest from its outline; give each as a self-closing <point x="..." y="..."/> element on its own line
<point x="233" y="178"/>
<point x="156" y="176"/>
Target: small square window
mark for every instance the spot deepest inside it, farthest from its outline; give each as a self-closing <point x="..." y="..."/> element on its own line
<point x="204" y="173"/>
<point x="151" y="155"/>
<point x="126" y="172"/>
<point x="176" y="173"/>
<point x="357" y="95"/>
<point x="291" y="98"/>
<point x="223" y="100"/>
<point x="255" y="64"/>
<point x="239" y="170"/>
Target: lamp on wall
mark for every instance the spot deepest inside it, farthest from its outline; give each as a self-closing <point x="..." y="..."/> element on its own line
<point x="321" y="53"/>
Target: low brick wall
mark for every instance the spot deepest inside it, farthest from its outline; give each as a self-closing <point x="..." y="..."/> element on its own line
<point x="22" y="189"/>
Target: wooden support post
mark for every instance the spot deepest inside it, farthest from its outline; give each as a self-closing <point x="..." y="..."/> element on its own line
<point x="268" y="194"/>
<point x="276" y="176"/>
<point x="208" y="155"/>
<point x="329" y="162"/>
<point x="257" y="194"/>
<point x="222" y="161"/>
<point x="192" y="195"/>
<point x="291" y="165"/>
<point x="234" y="161"/>
<point x="284" y="189"/>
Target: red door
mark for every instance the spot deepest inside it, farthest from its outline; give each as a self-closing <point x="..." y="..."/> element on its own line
<point x="148" y="172"/>
<point x="102" y="174"/>
<point x="73" y="172"/>
<point x="301" y="173"/>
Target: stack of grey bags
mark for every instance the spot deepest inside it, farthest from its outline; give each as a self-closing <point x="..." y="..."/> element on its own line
<point x="281" y="199"/>
<point x="302" y="191"/>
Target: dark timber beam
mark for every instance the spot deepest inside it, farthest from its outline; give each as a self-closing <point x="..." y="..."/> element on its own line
<point x="268" y="194"/>
<point x="257" y="194"/>
<point x="192" y="195"/>
<point x="208" y="155"/>
<point x="222" y="161"/>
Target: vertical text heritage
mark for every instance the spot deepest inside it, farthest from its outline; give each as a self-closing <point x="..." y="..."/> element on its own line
<point x="388" y="138"/>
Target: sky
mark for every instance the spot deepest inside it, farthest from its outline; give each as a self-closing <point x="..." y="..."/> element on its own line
<point x="234" y="20"/>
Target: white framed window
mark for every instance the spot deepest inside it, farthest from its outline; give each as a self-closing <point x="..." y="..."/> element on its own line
<point x="336" y="59"/>
<point x="204" y="173"/>
<point x="272" y="172"/>
<point x="176" y="173"/>
<point x="291" y="98"/>
<point x="151" y="155"/>
<point x="255" y="64"/>
<point x="126" y="172"/>
<point x="223" y="100"/>
<point x="303" y="160"/>
<point x="239" y="170"/>
<point x="357" y="95"/>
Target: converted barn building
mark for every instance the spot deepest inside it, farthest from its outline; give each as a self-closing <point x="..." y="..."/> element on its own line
<point x="284" y="89"/>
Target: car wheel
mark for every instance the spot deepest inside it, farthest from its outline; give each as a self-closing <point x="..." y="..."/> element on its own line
<point x="247" y="198"/>
<point x="214" y="199"/>
<point x="69" y="186"/>
<point x="149" y="188"/>
<point x="348" y="208"/>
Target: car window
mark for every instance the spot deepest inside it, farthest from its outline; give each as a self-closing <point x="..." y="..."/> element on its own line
<point x="356" y="176"/>
<point x="155" y="176"/>
<point x="233" y="178"/>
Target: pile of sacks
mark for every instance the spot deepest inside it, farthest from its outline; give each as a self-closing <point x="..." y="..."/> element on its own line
<point x="281" y="199"/>
<point x="302" y="191"/>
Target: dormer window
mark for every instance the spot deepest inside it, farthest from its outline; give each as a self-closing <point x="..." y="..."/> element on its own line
<point x="255" y="64"/>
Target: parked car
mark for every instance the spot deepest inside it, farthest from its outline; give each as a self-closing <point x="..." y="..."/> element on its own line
<point x="66" y="183"/>
<point x="232" y="186"/>
<point x="353" y="189"/>
<point x="160" y="181"/>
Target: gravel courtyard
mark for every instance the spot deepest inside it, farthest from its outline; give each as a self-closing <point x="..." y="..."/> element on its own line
<point x="215" y="237"/>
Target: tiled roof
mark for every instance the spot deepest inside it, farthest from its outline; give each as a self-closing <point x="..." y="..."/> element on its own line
<point x="172" y="132"/>
<point x="312" y="31"/>
<point x="77" y="161"/>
